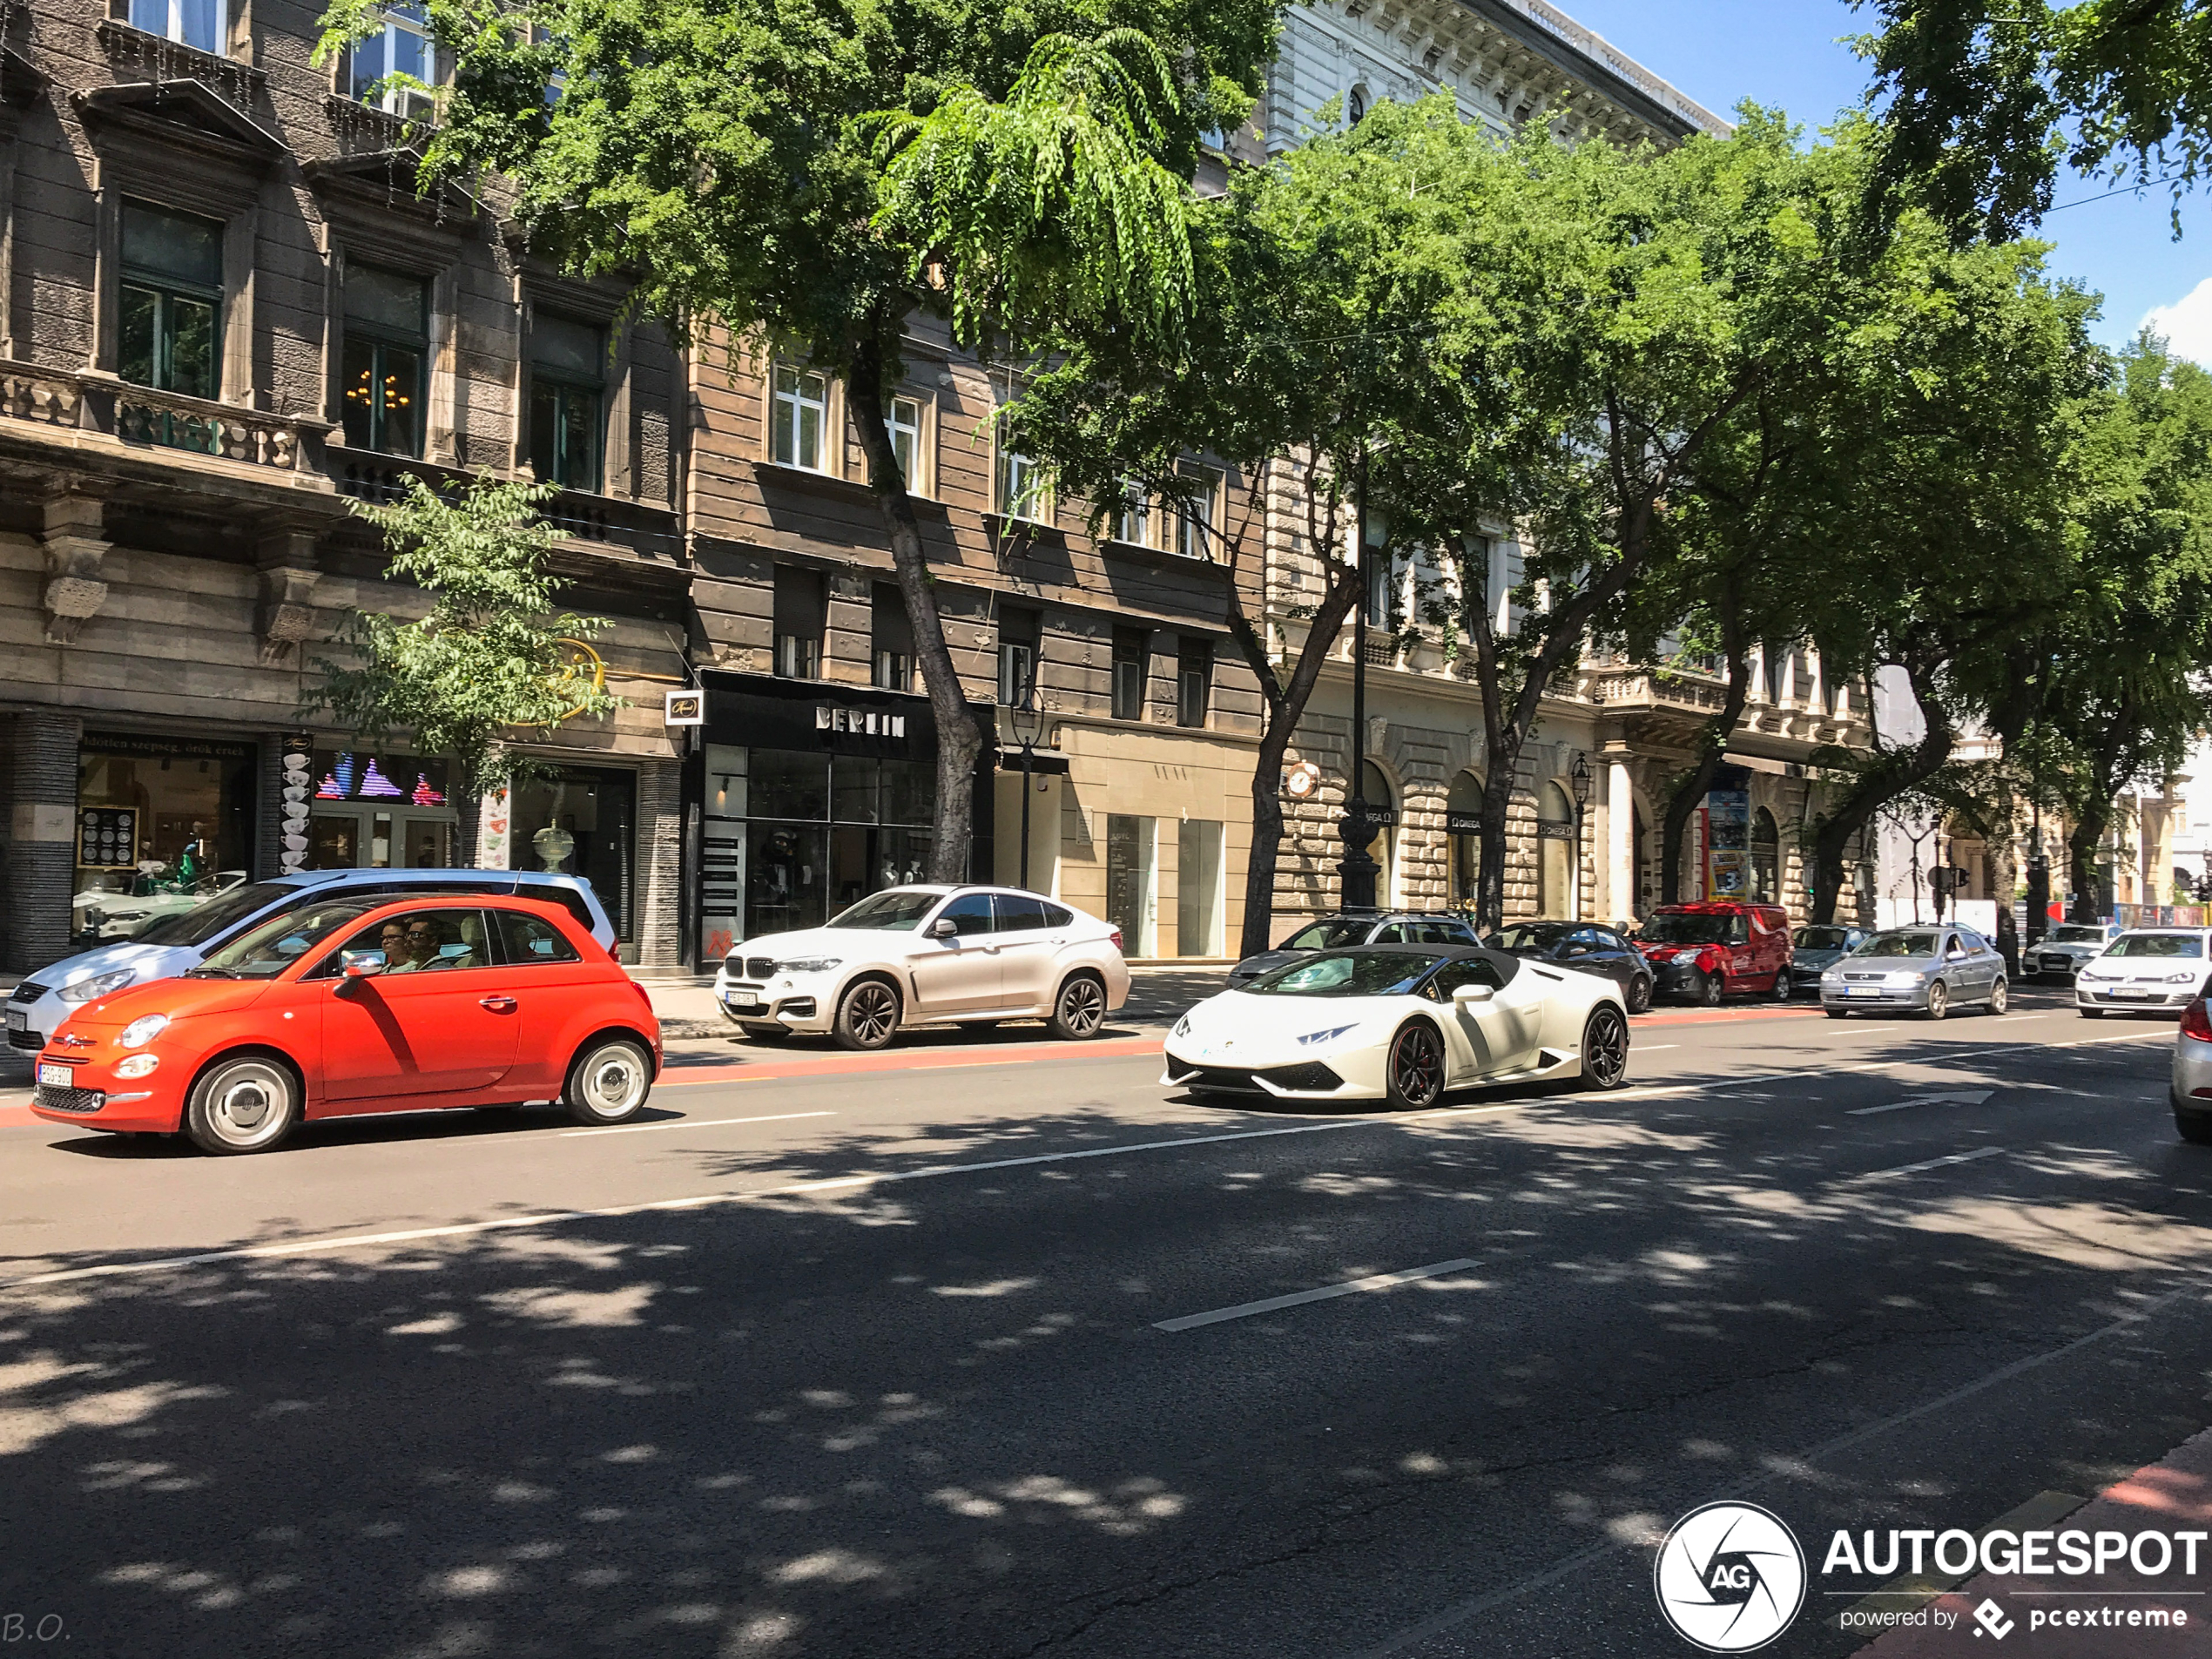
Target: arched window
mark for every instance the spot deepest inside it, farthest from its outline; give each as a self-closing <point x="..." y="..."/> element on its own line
<point x="1766" y="857"/>
<point x="1462" y="811"/>
<point x="1554" y="852"/>
<point x="1382" y="809"/>
<point x="1355" y="105"/>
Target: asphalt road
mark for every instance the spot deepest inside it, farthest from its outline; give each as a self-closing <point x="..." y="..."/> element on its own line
<point x="833" y="1360"/>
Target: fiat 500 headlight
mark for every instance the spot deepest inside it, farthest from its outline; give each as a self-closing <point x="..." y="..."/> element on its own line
<point x="808" y="965"/>
<point x="84" y="990"/>
<point x="1313" y="1037"/>
<point x="143" y="1030"/>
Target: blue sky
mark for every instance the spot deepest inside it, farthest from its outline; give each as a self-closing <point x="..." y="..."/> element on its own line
<point x="1787" y="52"/>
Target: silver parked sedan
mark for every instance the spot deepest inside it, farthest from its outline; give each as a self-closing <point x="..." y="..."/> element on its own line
<point x="2192" y="1086"/>
<point x="2145" y="968"/>
<point x="1925" y="970"/>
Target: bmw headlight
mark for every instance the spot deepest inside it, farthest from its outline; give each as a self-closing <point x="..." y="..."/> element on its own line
<point x="1313" y="1037"/>
<point x="809" y="965"/>
<point x="143" y="1030"/>
<point x="84" y="990"/>
<point x="1183" y="1027"/>
<point x="1902" y="976"/>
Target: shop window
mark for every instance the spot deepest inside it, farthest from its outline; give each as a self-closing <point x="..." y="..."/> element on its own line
<point x="163" y="826"/>
<point x="1382" y="811"/>
<point x="820" y="833"/>
<point x="1196" y="524"/>
<point x="568" y="383"/>
<point x="1019" y="635"/>
<point x="790" y="783"/>
<point x="582" y="821"/>
<point x="387" y="317"/>
<point x="1198" y="843"/>
<point x="1131" y="651"/>
<point x="399" y="50"/>
<point x="891" y="640"/>
<point x="171" y="309"/>
<point x="904" y="419"/>
<point x="1131" y="894"/>
<point x="1766" y="856"/>
<point x="190" y="23"/>
<point x="378" y="811"/>
<point x="797" y="418"/>
<point x="799" y="618"/>
<point x="1556" y="852"/>
<point x="1462" y="820"/>
<point x="1193" y="680"/>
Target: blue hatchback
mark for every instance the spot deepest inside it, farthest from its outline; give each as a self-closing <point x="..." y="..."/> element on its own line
<point x="173" y="943"/>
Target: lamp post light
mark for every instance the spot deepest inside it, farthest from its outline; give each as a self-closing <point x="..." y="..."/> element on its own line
<point x="1358" y="869"/>
<point x="1028" y="721"/>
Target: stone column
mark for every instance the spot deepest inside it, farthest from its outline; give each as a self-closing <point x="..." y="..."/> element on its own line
<point x="1620" y="843"/>
<point x="41" y="863"/>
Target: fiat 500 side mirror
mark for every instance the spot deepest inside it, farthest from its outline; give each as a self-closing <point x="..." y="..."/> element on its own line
<point x="944" y="928"/>
<point x="1473" y="994"/>
<point x="363" y="964"/>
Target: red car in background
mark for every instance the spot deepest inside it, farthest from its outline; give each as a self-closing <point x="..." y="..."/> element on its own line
<point x="363" y="1004"/>
<point x="1718" y="949"/>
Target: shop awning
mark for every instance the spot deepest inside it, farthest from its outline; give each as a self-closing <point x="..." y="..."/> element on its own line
<point x="1042" y="762"/>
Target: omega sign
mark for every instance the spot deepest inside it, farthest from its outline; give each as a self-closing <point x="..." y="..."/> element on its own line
<point x="872" y="722"/>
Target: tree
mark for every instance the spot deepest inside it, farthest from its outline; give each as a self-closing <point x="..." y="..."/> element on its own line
<point x="1985" y="97"/>
<point x="489" y="657"/>
<point x="816" y="178"/>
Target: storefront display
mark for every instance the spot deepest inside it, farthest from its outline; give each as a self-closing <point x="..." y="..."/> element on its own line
<point x="580" y="820"/>
<point x="163" y="824"/>
<point x="376" y="811"/>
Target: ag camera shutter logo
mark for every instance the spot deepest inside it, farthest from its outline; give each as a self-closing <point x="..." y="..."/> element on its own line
<point x="1730" y="1577"/>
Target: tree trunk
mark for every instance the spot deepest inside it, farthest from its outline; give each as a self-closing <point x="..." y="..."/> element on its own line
<point x="2002" y="879"/>
<point x="1712" y="744"/>
<point x="960" y="736"/>
<point x="1889" y="776"/>
<point x="1502" y="754"/>
<point x="2081" y="844"/>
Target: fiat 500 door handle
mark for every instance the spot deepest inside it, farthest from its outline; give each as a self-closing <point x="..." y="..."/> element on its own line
<point x="498" y="1004"/>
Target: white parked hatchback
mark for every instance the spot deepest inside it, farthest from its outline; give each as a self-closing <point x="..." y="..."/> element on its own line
<point x="2146" y="967"/>
<point x="929" y="955"/>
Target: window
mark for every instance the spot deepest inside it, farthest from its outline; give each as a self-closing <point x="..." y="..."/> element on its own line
<point x="1131" y="649"/>
<point x="799" y="614"/>
<point x="1766" y="856"/>
<point x="1828" y="689"/>
<point x="1020" y="632"/>
<point x="970" y="913"/>
<point x="172" y="300"/>
<point x="1555" y="844"/>
<point x="192" y="22"/>
<point x="1131" y="889"/>
<point x="1463" y="824"/>
<point x="400" y="47"/>
<point x="532" y="939"/>
<point x="1194" y="681"/>
<point x="581" y="821"/>
<point x="1386" y="573"/>
<point x="904" y="423"/>
<point x="1020" y="483"/>
<point x="798" y="418"/>
<point x="891" y="637"/>
<point x="567" y="377"/>
<point x="387" y="339"/>
<point x="1355" y="105"/>
<point x="1133" y="523"/>
<point x="1776" y="666"/>
<point x="1199" y="895"/>
<point x="1194" y="526"/>
<point x="1020" y="913"/>
<point x="421" y="942"/>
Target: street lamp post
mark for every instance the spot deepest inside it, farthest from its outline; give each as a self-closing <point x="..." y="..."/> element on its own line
<point x="1028" y="721"/>
<point x="1578" y="785"/>
<point x="1358" y="870"/>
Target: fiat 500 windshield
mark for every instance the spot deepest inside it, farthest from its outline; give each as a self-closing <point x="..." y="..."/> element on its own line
<point x="1347" y="972"/>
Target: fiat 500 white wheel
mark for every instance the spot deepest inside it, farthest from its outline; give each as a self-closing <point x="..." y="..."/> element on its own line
<point x="247" y="1104"/>
<point x="608" y="1082"/>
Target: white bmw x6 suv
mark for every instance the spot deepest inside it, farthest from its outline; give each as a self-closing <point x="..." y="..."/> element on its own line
<point x="918" y="956"/>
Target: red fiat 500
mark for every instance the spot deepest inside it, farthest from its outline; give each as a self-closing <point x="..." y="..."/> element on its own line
<point x="361" y="1005"/>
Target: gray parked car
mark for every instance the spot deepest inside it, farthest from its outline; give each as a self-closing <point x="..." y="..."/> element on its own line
<point x="2061" y="952"/>
<point x="1816" y="949"/>
<point x="2192" y="1086"/>
<point x="1926" y="970"/>
<point x="1334" y="932"/>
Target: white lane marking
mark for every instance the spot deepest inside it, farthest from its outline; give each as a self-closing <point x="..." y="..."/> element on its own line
<point x="1930" y="1163"/>
<point x="1373" y="1282"/>
<point x="1655" y="1048"/>
<point x="689" y="1122"/>
<point x="1963" y="1097"/>
<point x="1777" y="1470"/>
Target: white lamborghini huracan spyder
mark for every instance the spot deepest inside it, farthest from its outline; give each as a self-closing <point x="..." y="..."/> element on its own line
<point x="1401" y="1023"/>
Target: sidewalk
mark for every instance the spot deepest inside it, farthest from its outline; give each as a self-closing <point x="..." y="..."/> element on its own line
<point x="2174" y="1495"/>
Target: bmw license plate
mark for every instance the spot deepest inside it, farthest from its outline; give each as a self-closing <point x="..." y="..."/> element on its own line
<point x="741" y="1005"/>
<point x="57" y="1076"/>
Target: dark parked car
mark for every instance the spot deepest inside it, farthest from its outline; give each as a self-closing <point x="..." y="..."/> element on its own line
<point x="1586" y="946"/>
<point x="1334" y="932"/>
<point x="1817" y="948"/>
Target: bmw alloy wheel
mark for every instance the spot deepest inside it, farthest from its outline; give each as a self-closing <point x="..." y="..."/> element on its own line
<point x="1605" y="1048"/>
<point x="1415" y="1073"/>
<point x="869" y="1017"/>
<point x="1080" y="1011"/>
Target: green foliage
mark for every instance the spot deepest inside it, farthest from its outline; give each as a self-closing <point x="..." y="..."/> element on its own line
<point x="1986" y="97"/>
<point x="491" y="658"/>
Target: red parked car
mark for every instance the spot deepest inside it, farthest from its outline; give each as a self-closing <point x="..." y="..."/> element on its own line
<point x="1718" y="949"/>
<point x="361" y="1004"/>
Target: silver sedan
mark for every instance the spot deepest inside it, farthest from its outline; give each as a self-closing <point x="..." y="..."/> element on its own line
<point x="2192" y="1087"/>
<point x="1925" y="970"/>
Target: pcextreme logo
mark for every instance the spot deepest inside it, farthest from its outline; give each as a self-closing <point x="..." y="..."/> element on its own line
<point x="1731" y="1577"/>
